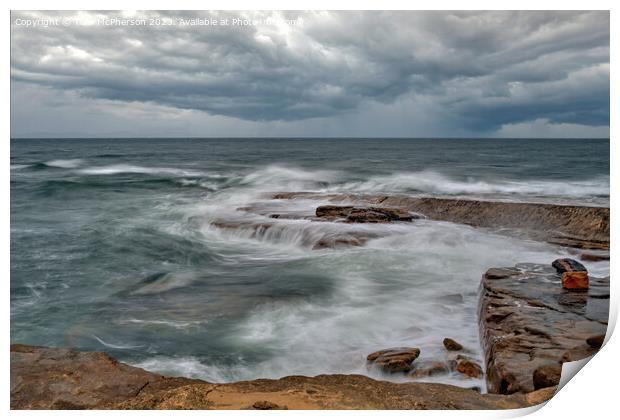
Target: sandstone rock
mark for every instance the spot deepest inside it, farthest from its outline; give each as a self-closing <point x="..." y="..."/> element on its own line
<point x="575" y="280"/>
<point x="468" y="367"/>
<point x="397" y="359"/>
<point x="526" y="321"/>
<point x="451" y="345"/>
<point x="267" y="405"/>
<point x="333" y="211"/>
<point x="547" y="375"/>
<point x="590" y="256"/>
<point x="44" y="378"/>
<point x="501" y="273"/>
<point x="577" y="353"/>
<point x="352" y="214"/>
<point x="47" y="378"/>
<point x="540" y="396"/>
<point x="571" y="226"/>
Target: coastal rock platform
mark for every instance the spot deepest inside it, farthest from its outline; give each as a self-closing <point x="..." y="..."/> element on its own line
<point x="52" y="378"/>
<point x="529" y="325"/>
<point x="580" y="227"/>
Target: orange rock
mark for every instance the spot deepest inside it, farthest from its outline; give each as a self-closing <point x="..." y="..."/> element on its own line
<point x="575" y="280"/>
<point x="469" y="368"/>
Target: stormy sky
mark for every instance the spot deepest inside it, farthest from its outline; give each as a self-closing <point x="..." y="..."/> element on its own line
<point x="310" y="74"/>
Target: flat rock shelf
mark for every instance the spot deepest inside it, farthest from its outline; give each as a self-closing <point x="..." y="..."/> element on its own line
<point x="529" y="325"/>
<point x="52" y="378"/>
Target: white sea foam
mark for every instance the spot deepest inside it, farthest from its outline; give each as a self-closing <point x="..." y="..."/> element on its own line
<point x="116" y="346"/>
<point x="166" y="282"/>
<point x="387" y="293"/>
<point x="284" y="178"/>
<point x="135" y="169"/>
<point x="65" y="163"/>
<point x="164" y="322"/>
<point x="189" y="367"/>
<point x="436" y="183"/>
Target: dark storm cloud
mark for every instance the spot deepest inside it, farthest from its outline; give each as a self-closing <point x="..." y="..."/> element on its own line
<point x="483" y="70"/>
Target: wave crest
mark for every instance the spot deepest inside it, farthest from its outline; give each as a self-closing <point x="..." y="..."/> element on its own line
<point x="436" y="183"/>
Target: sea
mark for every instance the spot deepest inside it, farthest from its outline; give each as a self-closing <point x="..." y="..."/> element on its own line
<point x="115" y="247"/>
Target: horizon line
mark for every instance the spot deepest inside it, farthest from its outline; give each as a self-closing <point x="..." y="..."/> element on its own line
<point x="307" y="138"/>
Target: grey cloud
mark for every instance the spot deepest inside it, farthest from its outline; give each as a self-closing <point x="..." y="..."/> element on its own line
<point x="483" y="70"/>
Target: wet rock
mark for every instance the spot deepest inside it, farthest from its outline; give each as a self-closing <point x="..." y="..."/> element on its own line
<point x="596" y="341"/>
<point x="571" y="226"/>
<point x="590" y="256"/>
<point x="563" y="265"/>
<point x="47" y="378"/>
<point x="333" y="211"/>
<point x="339" y="241"/>
<point x="574" y="274"/>
<point x="572" y="280"/>
<point x="527" y="321"/>
<point x="501" y="273"/>
<point x="397" y="359"/>
<point x="468" y="367"/>
<point x="429" y="369"/>
<point x="378" y="215"/>
<point x="351" y="214"/>
<point x="547" y="375"/>
<point x="451" y="345"/>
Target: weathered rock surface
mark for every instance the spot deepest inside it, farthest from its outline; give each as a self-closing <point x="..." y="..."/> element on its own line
<point x="47" y="378"/>
<point x="528" y="320"/>
<point x="574" y="275"/>
<point x="351" y="214"/>
<point x="65" y="379"/>
<point x="397" y="359"/>
<point x="468" y="367"/>
<point x="594" y="256"/>
<point x="563" y="265"/>
<point x="452" y="345"/>
<point x="547" y="375"/>
<point x="572" y="226"/>
<point x="575" y="280"/>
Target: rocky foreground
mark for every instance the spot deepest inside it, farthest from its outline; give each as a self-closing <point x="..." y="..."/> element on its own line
<point x="530" y="325"/>
<point x="49" y="378"/>
<point x="532" y="319"/>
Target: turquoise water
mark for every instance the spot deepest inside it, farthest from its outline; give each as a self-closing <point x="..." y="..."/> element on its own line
<point x="113" y="247"/>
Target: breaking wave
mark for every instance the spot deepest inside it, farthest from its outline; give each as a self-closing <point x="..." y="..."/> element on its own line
<point x="65" y="163"/>
<point x="134" y="169"/>
<point x="436" y="183"/>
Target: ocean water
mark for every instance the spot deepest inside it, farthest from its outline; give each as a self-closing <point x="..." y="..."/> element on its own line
<point x="114" y="248"/>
